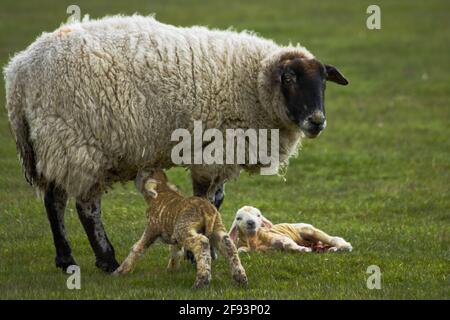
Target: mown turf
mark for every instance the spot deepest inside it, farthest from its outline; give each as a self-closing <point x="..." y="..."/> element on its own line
<point x="378" y="176"/>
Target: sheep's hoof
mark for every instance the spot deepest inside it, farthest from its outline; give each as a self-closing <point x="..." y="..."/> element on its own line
<point x="64" y="262"/>
<point x="107" y="266"/>
<point x="202" y="281"/>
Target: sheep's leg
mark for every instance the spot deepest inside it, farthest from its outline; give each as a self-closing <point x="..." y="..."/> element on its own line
<point x="148" y="237"/>
<point x="175" y="255"/>
<point x="89" y="212"/>
<point x="223" y="242"/>
<point x="55" y="200"/>
<point x="310" y="233"/>
<point x="198" y="244"/>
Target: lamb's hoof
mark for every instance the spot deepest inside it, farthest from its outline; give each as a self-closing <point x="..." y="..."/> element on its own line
<point x="305" y="249"/>
<point x="107" y="266"/>
<point x="240" y="277"/>
<point x="202" y="281"/>
<point x="341" y="249"/>
<point x="173" y="266"/>
<point x="117" y="273"/>
<point x="64" y="262"/>
<point x="341" y="245"/>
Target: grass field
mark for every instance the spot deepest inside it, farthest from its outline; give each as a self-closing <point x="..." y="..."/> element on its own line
<point x="378" y="176"/>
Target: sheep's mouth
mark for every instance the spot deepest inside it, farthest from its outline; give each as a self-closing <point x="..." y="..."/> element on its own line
<point x="312" y="131"/>
<point x="312" y="134"/>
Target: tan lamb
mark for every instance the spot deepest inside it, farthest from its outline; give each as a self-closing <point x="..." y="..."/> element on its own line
<point x="186" y="223"/>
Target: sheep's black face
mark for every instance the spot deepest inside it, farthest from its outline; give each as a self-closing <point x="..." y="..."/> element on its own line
<point x="303" y="84"/>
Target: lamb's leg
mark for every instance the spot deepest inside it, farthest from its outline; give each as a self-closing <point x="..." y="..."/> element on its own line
<point x="198" y="244"/>
<point x="55" y="200"/>
<point x="223" y="242"/>
<point x="89" y="212"/>
<point x="175" y="255"/>
<point x="285" y="243"/>
<point x="201" y="188"/>
<point x="310" y="233"/>
<point x="146" y="240"/>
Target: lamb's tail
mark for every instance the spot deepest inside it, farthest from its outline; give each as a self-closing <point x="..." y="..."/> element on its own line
<point x="15" y="105"/>
<point x="210" y="223"/>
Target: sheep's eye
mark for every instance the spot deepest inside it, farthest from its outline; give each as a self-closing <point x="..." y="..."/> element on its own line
<point x="238" y="218"/>
<point x="259" y="216"/>
<point x="288" y="78"/>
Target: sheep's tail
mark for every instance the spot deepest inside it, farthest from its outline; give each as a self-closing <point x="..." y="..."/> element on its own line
<point x="26" y="151"/>
<point x="20" y="127"/>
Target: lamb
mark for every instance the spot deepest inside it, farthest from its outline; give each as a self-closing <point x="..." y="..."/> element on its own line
<point x="253" y="232"/>
<point x="185" y="223"/>
<point x="94" y="102"/>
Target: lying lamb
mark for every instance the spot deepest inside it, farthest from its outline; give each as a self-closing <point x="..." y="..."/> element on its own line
<point x="253" y="232"/>
<point x="184" y="223"/>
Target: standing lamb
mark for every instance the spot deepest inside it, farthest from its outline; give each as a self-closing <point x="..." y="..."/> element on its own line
<point x="94" y="102"/>
<point x="191" y="223"/>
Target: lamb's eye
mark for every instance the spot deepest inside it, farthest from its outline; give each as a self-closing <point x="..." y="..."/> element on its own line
<point x="259" y="216"/>
<point x="238" y="218"/>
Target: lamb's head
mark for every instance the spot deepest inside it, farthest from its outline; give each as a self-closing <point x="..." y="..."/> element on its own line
<point x="150" y="182"/>
<point x="247" y="222"/>
<point x="296" y="83"/>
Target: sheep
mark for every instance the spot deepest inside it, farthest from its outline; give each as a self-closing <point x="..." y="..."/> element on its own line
<point x="191" y="223"/>
<point x="253" y="232"/>
<point x="94" y="102"/>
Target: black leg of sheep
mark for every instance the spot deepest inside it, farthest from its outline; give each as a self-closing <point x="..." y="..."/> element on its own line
<point x="89" y="212"/>
<point x="55" y="200"/>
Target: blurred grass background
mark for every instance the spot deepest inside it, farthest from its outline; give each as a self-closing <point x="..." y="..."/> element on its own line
<point x="378" y="176"/>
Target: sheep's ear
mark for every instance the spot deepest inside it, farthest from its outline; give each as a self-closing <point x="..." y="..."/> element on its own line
<point x="150" y="188"/>
<point x="233" y="231"/>
<point x="266" y="222"/>
<point x="334" y="75"/>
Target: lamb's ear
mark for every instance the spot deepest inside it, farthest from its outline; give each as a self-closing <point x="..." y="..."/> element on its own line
<point x="233" y="231"/>
<point x="266" y="222"/>
<point x="150" y="188"/>
<point x="334" y="75"/>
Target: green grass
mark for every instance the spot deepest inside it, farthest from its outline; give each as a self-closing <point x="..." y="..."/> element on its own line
<point x="378" y="176"/>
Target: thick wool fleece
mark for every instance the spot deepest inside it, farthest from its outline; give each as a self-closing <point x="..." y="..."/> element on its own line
<point x="94" y="101"/>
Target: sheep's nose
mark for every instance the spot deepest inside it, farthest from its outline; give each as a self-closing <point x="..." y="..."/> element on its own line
<point x="251" y="224"/>
<point x="317" y="118"/>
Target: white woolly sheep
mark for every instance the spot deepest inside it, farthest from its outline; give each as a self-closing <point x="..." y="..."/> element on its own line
<point x="93" y="102"/>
